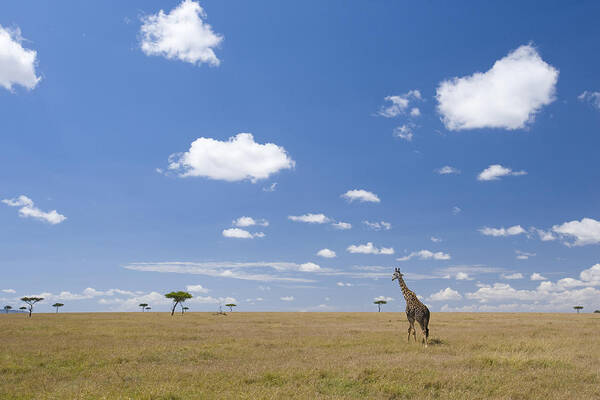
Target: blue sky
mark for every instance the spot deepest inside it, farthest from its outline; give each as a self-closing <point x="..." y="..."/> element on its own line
<point x="125" y="122"/>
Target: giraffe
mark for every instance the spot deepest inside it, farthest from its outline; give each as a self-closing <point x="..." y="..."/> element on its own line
<point x="415" y="310"/>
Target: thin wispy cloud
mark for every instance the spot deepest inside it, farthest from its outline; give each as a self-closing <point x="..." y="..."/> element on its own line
<point x="29" y="210"/>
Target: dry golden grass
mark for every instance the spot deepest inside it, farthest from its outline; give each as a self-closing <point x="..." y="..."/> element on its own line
<point x="298" y="355"/>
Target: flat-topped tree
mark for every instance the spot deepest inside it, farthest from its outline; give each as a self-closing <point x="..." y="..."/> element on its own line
<point x="143" y="306"/>
<point x="178" y="297"/>
<point x="30" y="302"/>
<point x="184" y="309"/>
<point x="578" y="308"/>
<point x="379" y="303"/>
<point x="57" y="305"/>
<point x="148" y="308"/>
<point x="23" y="308"/>
<point x="7" y="308"/>
<point x="230" y="305"/>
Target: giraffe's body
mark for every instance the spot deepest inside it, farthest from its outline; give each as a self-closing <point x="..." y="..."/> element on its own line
<point x="415" y="310"/>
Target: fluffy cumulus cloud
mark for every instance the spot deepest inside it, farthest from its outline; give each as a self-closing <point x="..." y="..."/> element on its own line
<point x="426" y="255"/>
<point x="361" y="196"/>
<point x="497" y="171"/>
<point x="545" y="236"/>
<point x="243" y="222"/>
<point x="506" y="96"/>
<point x="445" y="295"/>
<point x="378" y="226"/>
<point x="181" y="34"/>
<point x="447" y="170"/>
<point x="537" y="277"/>
<point x="17" y="64"/>
<point x="511" y="231"/>
<point x="310" y="218"/>
<point x="309" y="267"/>
<point x="463" y="276"/>
<point x="548" y="296"/>
<point x="238" y="233"/>
<point x="326" y="253"/>
<point x="369" y="248"/>
<point x="342" y="225"/>
<point x="591" y="97"/>
<point x="398" y="105"/>
<point x="236" y="159"/>
<point x="196" y="289"/>
<point x="29" y="210"/>
<point x="581" y="233"/>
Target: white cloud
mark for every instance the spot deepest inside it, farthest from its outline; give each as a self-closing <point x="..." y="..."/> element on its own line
<point x="270" y="188"/>
<point x="384" y="298"/>
<point x="404" y="131"/>
<point x="29" y="210"/>
<point x="586" y="231"/>
<point x="426" y="255"/>
<point x="196" y="289"/>
<point x="399" y="104"/>
<point x="261" y="271"/>
<point x="236" y="159"/>
<point x="9" y="291"/>
<point x="309" y="267"/>
<point x="507" y="96"/>
<point x="545" y="236"/>
<point x="496" y="171"/>
<point x="360" y="195"/>
<point x="447" y="170"/>
<point x="238" y="233"/>
<point x="287" y="298"/>
<point x="342" y="225"/>
<point x="377" y="226"/>
<point x="516" y="275"/>
<point x="326" y="253"/>
<point x="369" y="248"/>
<point x="522" y="255"/>
<point x="344" y="284"/>
<point x="415" y="112"/>
<point x="181" y="34"/>
<point x="537" y="277"/>
<point x="435" y="239"/>
<point x="445" y="295"/>
<point x="463" y="276"/>
<point x="243" y="222"/>
<point x="591" y="97"/>
<point x="511" y="231"/>
<point x="310" y="218"/>
<point x="456" y="210"/>
<point x="17" y="64"/>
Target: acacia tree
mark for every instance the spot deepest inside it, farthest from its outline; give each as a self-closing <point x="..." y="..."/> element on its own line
<point x="178" y="297"/>
<point x="57" y="305"/>
<point x="143" y="305"/>
<point x="379" y="303"/>
<point x="230" y="305"/>
<point x="578" y="308"/>
<point x="148" y="308"/>
<point x="23" y="308"/>
<point x="30" y="302"/>
<point x="184" y="309"/>
<point x="7" y="308"/>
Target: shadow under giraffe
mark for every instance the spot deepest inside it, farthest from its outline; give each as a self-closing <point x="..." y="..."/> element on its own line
<point x="415" y="310"/>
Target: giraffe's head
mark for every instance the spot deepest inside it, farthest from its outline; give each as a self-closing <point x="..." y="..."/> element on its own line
<point x="397" y="274"/>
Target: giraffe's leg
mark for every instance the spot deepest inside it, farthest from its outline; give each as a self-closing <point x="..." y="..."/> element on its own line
<point x="424" y="332"/>
<point x="411" y="326"/>
<point x="414" y="333"/>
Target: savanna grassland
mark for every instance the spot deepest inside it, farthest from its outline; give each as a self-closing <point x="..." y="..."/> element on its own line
<point x="298" y="355"/>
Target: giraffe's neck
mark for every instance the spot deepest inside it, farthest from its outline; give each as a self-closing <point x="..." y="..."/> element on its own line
<point x="406" y="292"/>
